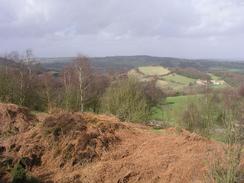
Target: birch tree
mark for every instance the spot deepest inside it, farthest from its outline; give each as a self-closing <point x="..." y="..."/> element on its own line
<point x="77" y="81"/>
<point x="84" y="75"/>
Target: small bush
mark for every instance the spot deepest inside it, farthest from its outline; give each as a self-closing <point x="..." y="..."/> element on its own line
<point x="227" y="168"/>
<point x="19" y="175"/>
<point x="32" y="179"/>
<point x="126" y="99"/>
<point x="202" y="115"/>
<point x="191" y="117"/>
<point x="153" y="94"/>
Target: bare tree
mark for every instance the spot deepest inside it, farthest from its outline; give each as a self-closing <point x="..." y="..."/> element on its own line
<point x="97" y="88"/>
<point x="67" y="84"/>
<point x="29" y="61"/>
<point x="84" y="74"/>
<point x="47" y="87"/>
<point x="78" y="81"/>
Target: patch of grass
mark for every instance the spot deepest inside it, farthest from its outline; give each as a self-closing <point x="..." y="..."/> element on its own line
<point x="172" y="108"/>
<point x="228" y="69"/>
<point x="161" y="84"/>
<point x="217" y="78"/>
<point x="218" y="136"/>
<point x="219" y="86"/>
<point x="158" y="131"/>
<point x="175" y="81"/>
<point x="180" y="101"/>
<point x="214" y="77"/>
<point x="134" y="73"/>
<point x="154" y="70"/>
<point x="19" y="175"/>
<point x="35" y="112"/>
<point x="179" y="79"/>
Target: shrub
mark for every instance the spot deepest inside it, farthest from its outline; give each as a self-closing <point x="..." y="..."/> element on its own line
<point x="153" y="94"/>
<point x="191" y="117"/>
<point x="18" y="87"/>
<point x="227" y="170"/>
<point x="201" y="116"/>
<point x="126" y="99"/>
<point x="19" y="175"/>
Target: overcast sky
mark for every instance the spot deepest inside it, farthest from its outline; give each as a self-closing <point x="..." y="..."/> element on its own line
<point x="177" y="28"/>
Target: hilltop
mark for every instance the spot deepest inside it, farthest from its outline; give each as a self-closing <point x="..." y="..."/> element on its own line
<point x="73" y="147"/>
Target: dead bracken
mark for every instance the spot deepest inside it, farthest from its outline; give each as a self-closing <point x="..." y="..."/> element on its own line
<point x="84" y="147"/>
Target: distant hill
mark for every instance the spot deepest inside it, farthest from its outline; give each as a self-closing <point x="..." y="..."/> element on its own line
<point x="129" y="62"/>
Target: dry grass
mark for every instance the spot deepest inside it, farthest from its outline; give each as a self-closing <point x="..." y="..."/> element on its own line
<point x="154" y="70"/>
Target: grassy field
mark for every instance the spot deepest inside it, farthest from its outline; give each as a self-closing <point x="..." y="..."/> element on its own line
<point x="172" y="107"/>
<point x="154" y="70"/>
<point x="139" y="76"/>
<point x="134" y="73"/>
<point x="177" y="81"/>
<point x="161" y="84"/>
<point x="174" y="81"/>
<point x="214" y="77"/>
<point x="171" y="111"/>
<point x="170" y="81"/>
<point x="176" y="78"/>
<point x="228" y="69"/>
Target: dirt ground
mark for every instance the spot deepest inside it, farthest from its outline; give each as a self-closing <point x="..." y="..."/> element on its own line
<point x="89" y="148"/>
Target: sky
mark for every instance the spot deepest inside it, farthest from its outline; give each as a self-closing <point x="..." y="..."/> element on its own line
<point x="168" y="28"/>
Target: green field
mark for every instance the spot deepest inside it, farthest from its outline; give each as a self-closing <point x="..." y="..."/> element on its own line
<point x="177" y="81"/>
<point x="154" y="70"/>
<point x="172" y="107"/>
<point x="176" y="78"/>
<point x="174" y="81"/>
<point x="161" y="84"/>
<point x="217" y="78"/>
<point x="228" y="69"/>
<point x="214" y="77"/>
<point x="168" y="81"/>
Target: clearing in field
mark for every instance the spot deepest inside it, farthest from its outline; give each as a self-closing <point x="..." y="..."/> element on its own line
<point x="154" y="70"/>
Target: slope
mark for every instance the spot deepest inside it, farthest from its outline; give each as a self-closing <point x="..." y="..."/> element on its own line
<point x="75" y="147"/>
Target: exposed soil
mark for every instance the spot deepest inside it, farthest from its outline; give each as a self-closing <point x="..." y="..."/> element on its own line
<point x="88" y="148"/>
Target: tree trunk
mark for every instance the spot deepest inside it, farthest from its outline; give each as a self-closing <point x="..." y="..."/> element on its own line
<point x="81" y="89"/>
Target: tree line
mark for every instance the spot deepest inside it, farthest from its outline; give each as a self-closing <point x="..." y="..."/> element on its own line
<point x="77" y="87"/>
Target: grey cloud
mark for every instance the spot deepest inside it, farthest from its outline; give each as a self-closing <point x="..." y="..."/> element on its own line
<point x="182" y="28"/>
